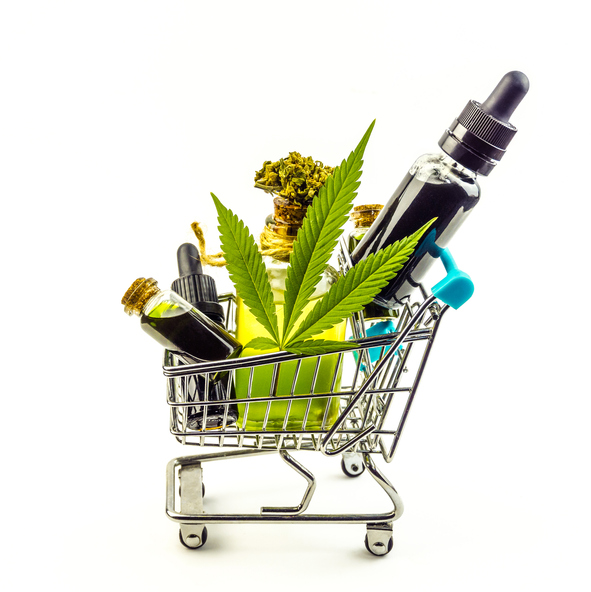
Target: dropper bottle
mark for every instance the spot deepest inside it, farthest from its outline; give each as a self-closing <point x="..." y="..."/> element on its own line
<point x="193" y="337"/>
<point x="196" y="287"/>
<point x="200" y="291"/>
<point x="444" y="186"/>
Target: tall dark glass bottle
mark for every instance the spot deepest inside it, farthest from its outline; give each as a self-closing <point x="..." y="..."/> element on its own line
<point x="444" y="186"/>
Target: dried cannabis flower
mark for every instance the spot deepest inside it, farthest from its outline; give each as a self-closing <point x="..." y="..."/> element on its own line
<point x="296" y="178"/>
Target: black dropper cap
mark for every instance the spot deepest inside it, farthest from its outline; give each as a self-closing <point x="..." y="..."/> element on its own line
<point x="479" y="137"/>
<point x="196" y="287"/>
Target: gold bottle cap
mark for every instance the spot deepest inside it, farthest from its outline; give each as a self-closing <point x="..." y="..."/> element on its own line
<point x="364" y="216"/>
<point x="138" y="294"/>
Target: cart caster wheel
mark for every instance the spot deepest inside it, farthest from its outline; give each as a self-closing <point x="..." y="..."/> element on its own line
<point x="379" y="546"/>
<point x="193" y="540"/>
<point x="202" y="489"/>
<point x="352" y="464"/>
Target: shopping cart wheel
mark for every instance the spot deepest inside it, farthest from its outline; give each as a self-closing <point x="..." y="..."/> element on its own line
<point x="193" y="537"/>
<point x="352" y="464"/>
<point x="379" y="541"/>
<point x="202" y="489"/>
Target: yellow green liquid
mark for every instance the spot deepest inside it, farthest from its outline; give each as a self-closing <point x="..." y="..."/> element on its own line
<point x="318" y="418"/>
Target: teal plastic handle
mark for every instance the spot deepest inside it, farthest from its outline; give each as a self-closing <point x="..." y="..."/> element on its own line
<point x="456" y="288"/>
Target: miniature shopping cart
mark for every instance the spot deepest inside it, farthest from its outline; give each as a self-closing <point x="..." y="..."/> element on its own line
<point x="352" y="403"/>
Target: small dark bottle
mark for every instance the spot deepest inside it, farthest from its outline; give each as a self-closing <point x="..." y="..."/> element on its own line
<point x="444" y="186"/>
<point x="200" y="290"/>
<point x="179" y="327"/>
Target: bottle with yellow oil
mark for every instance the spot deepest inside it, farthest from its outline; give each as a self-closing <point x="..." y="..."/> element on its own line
<point x="316" y="374"/>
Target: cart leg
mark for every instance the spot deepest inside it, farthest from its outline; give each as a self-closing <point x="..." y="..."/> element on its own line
<point x="378" y="539"/>
<point x="307" y="475"/>
<point x="352" y="464"/>
<point x="192" y="536"/>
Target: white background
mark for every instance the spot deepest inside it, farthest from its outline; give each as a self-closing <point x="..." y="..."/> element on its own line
<point x="118" y="119"/>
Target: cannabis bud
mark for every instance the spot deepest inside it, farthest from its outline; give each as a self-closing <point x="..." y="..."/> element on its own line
<point x="295" y="178"/>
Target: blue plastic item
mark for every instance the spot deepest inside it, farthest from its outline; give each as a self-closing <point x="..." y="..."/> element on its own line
<point x="381" y="328"/>
<point x="456" y="288"/>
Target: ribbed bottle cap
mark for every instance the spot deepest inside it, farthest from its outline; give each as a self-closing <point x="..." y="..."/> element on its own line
<point x="479" y="136"/>
<point x="194" y="286"/>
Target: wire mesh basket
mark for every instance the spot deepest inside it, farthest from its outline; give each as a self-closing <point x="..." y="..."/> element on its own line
<point x="332" y="403"/>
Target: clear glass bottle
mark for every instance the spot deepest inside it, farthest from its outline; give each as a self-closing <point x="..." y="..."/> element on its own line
<point x="277" y="238"/>
<point x="189" y="334"/>
<point x="436" y="186"/>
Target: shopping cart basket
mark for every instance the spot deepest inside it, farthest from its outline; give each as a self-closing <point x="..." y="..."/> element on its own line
<point x="359" y="412"/>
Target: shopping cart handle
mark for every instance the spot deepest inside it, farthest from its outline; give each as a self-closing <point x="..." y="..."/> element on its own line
<point x="456" y="288"/>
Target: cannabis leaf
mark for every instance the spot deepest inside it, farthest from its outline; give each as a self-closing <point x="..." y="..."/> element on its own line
<point x="353" y="291"/>
<point x="261" y="343"/>
<point x="319" y="234"/>
<point x="320" y="346"/>
<point x="246" y="268"/>
<point x="312" y="250"/>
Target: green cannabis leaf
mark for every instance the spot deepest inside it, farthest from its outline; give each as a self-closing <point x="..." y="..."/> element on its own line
<point x="312" y="250"/>
<point x="319" y="234"/>
<point x="320" y="346"/>
<point x="261" y="343"/>
<point x="246" y="268"/>
<point x="353" y="291"/>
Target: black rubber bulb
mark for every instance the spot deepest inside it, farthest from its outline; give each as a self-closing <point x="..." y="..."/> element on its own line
<point x="195" y="286"/>
<point x="189" y="260"/>
<point x="507" y="95"/>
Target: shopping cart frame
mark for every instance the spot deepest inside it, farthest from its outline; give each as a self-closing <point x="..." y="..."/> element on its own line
<point x="357" y="433"/>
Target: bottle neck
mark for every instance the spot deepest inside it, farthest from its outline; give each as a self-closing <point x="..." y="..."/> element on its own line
<point x="458" y="167"/>
<point x="465" y="156"/>
<point x="281" y="229"/>
<point x="289" y="214"/>
<point x="443" y="167"/>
